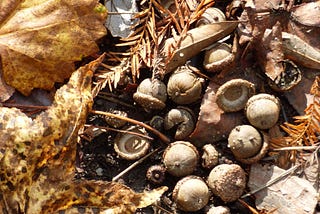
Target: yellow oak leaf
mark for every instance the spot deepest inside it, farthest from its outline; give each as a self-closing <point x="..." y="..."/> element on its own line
<point x="41" y="39"/>
<point x="37" y="157"/>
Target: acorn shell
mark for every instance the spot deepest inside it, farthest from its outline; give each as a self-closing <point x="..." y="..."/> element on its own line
<point x="233" y="95"/>
<point x="191" y="194"/>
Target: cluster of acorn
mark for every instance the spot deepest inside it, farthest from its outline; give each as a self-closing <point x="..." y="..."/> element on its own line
<point x="248" y="143"/>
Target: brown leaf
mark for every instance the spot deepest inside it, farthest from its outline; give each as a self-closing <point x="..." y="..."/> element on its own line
<point x="289" y="195"/>
<point x="37" y="157"/>
<point x="213" y="123"/>
<point x="40" y="40"/>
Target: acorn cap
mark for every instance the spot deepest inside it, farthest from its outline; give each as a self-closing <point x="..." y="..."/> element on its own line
<point x="130" y="146"/>
<point x="233" y="95"/>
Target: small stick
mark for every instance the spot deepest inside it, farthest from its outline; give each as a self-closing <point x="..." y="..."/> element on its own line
<point x="296" y="148"/>
<point x="154" y="131"/>
<point x="134" y="165"/>
<point x="269" y="183"/>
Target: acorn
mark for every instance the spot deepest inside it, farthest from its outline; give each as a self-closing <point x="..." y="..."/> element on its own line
<point x="151" y="94"/>
<point x="262" y="110"/>
<point x="191" y="194"/>
<point x="227" y="181"/>
<point x="247" y="144"/>
<point x="180" y="158"/>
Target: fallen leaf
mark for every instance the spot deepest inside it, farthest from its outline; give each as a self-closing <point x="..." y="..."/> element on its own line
<point x="289" y="195"/>
<point x="40" y="40"/>
<point x="37" y="157"/>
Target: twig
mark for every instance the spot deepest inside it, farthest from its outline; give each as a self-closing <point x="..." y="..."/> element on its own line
<point x="161" y="136"/>
<point x="269" y="183"/>
<point x="134" y="165"/>
<point x="296" y="148"/>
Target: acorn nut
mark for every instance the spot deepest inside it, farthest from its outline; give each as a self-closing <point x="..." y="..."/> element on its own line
<point x="184" y="87"/>
<point x="246" y="144"/>
<point x="227" y="181"/>
<point x="180" y="158"/>
<point x="151" y="94"/>
<point x="130" y="146"/>
<point x="262" y="110"/>
<point x="182" y="119"/>
<point x="233" y="95"/>
<point x="218" y="57"/>
<point x="191" y="194"/>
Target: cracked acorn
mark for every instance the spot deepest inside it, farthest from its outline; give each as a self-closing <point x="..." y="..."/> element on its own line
<point x="180" y="158"/>
<point x="130" y="146"/>
<point x="191" y="193"/>
<point x="266" y="117"/>
<point x="181" y="118"/>
<point x="184" y="87"/>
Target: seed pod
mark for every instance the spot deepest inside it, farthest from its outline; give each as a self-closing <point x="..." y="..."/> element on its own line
<point x="211" y="15"/>
<point x="156" y="174"/>
<point x="210" y="156"/>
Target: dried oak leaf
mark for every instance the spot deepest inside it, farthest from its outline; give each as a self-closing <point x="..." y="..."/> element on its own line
<point x="40" y="39"/>
<point x="37" y="158"/>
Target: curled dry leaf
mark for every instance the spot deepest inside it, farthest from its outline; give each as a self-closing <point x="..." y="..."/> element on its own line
<point x="194" y="42"/>
<point x="38" y="155"/>
<point x="40" y="40"/>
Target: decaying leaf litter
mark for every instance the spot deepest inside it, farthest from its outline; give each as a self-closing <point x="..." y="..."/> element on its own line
<point x="150" y="52"/>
